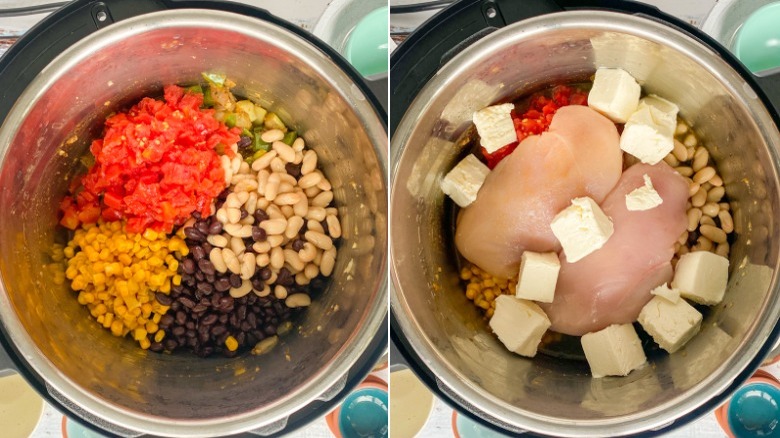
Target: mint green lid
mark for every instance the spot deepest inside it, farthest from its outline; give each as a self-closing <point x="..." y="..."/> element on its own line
<point x="757" y="43"/>
<point x="367" y="44"/>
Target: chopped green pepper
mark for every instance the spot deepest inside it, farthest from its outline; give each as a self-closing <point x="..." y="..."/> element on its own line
<point x="289" y="138"/>
<point x="208" y="100"/>
<point x="259" y="144"/>
<point x="195" y="89"/>
<point x="230" y="119"/>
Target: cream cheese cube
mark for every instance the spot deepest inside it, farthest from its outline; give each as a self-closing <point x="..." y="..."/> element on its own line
<point x="643" y="198"/>
<point x="613" y="351"/>
<point x="581" y="228"/>
<point x="667" y="293"/>
<point x="670" y="324"/>
<point x="463" y="182"/>
<point x="538" y="276"/>
<point x="495" y="126"/>
<point x="702" y="277"/>
<point x="615" y="94"/>
<point x="663" y="112"/>
<point x="649" y="132"/>
<point x="519" y="324"/>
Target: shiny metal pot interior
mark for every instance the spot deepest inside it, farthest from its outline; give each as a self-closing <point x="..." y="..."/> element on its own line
<point x="556" y="396"/>
<point x="111" y="382"/>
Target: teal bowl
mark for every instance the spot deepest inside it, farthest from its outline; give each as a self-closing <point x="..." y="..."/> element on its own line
<point x="757" y="42"/>
<point x="364" y="414"/>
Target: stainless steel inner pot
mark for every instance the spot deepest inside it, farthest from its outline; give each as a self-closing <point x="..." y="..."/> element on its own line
<point x="110" y="381"/>
<point x="555" y="396"/>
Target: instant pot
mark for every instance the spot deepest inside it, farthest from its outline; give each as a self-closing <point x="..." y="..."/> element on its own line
<point x="91" y="58"/>
<point x="477" y="52"/>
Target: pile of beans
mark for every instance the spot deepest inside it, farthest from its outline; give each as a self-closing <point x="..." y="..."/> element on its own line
<point x="269" y="244"/>
<point x="709" y="215"/>
<point x="483" y="288"/>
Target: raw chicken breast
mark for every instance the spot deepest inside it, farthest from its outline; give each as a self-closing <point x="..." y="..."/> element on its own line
<point x="611" y="285"/>
<point x="579" y="156"/>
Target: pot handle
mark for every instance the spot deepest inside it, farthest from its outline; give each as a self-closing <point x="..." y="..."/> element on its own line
<point x="88" y="418"/>
<point x="444" y="36"/>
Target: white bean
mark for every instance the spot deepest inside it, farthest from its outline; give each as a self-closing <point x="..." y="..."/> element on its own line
<point x="294" y="225"/>
<point x="248" y="266"/>
<point x="264" y="161"/>
<point x="334" y="227"/>
<point x="277" y="258"/>
<point x="322" y="200"/>
<point x="231" y="261"/>
<point x="238" y="292"/>
<point x="297" y="300"/>
<point x="272" y="135"/>
<point x="280" y="292"/>
<point x="309" y="163"/>
<point x="274" y="226"/>
<point x="217" y="240"/>
<point x="272" y="187"/>
<point x="319" y="239"/>
<point x="217" y="260"/>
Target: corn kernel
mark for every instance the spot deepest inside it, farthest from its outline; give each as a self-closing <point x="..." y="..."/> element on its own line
<point x="159" y="336"/>
<point x="231" y="343"/>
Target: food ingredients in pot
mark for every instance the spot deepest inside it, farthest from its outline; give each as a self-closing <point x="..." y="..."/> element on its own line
<point x="597" y="290"/>
<point x="119" y="275"/>
<point x="204" y="223"/>
<point x="495" y="126"/>
<point x="519" y="324"/>
<point x="578" y="156"/>
<point x="613" y="351"/>
<point x="670" y="323"/>
<point x="155" y="165"/>
<point x="668" y="220"/>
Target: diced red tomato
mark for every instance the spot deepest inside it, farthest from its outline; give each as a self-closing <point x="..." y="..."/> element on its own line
<point x="155" y="165"/>
<point x="537" y="118"/>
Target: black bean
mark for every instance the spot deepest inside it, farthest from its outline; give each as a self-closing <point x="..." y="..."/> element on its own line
<point x="186" y="302"/>
<point x="181" y="317"/>
<point x="245" y="327"/>
<point x="203" y="227"/>
<point x="259" y="335"/>
<point x="251" y="319"/>
<point x="257" y="284"/>
<point x="251" y="299"/>
<point x="192" y="342"/>
<point x="166" y="320"/>
<point x="170" y="344"/>
<point x="265" y="273"/>
<point x="234" y="322"/>
<point x="293" y="169"/>
<point x="188" y="265"/>
<point x="207" y="248"/>
<point x="204" y="337"/>
<point x="235" y="280"/>
<point x="297" y="244"/>
<point x="200" y="276"/>
<point x="197" y="253"/>
<point x="156" y="347"/>
<point x="194" y="234"/>
<point x="222" y="284"/>
<point x="243" y="212"/>
<point x="196" y="214"/>
<point x="270" y="329"/>
<point x="206" y="266"/>
<point x="260" y="215"/>
<point x="218" y="330"/>
<point x="285" y="277"/>
<point x="190" y="325"/>
<point x="200" y="308"/>
<point x="241" y="338"/>
<point x="178" y="331"/>
<point x="223" y="319"/>
<point x="258" y="234"/>
<point x="244" y="141"/>
<point x="206" y="288"/>
<point x="163" y="299"/>
<point x="241" y="312"/>
<point x="209" y="320"/>
<point x="215" y="227"/>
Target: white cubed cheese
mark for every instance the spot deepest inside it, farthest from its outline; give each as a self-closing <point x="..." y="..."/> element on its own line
<point x="581" y="228"/>
<point x="519" y="324"/>
<point x="538" y="276"/>
<point x="663" y="112"/>
<point x="463" y="182"/>
<point x="613" y="351"/>
<point x="701" y="277"/>
<point x="667" y="293"/>
<point x="495" y="126"/>
<point x="615" y="93"/>
<point x="670" y="324"/>
<point x="643" y="198"/>
<point x="649" y="132"/>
